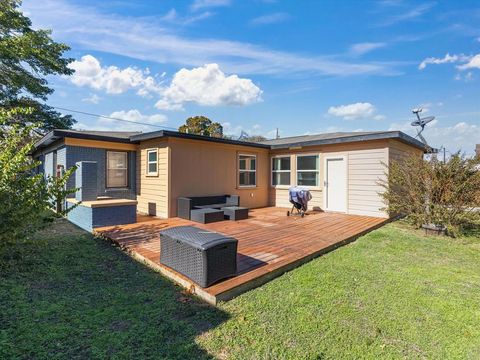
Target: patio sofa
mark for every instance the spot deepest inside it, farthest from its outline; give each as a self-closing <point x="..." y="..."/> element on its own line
<point x="185" y="205"/>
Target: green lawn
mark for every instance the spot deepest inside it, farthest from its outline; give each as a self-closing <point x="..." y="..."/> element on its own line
<point x="391" y="294"/>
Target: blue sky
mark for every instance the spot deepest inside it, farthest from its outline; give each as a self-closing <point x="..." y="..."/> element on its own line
<point x="253" y="65"/>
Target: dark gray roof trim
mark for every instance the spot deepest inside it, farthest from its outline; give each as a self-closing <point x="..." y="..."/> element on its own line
<point x="282" y="143"/>
<point x="167" y="133"/>
<point x="57" y="134"/>
<point x="350" y="137"/>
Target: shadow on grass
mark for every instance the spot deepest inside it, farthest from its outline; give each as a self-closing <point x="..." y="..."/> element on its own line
<point x="68" y="295"/>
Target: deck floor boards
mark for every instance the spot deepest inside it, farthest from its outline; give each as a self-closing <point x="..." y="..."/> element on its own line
<point x="269" y="242"/>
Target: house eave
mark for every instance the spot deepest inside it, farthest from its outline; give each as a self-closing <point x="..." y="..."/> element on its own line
<point x="175" y="134"/>
<point x="398" y="135"/>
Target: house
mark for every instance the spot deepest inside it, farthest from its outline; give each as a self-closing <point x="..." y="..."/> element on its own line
<point x="340" y="169"/>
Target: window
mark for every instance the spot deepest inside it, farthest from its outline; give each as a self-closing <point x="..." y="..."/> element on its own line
<point x="152" y="162"/>
<point x="116" y="169"/>
<point x="281" y="170"/>
<point x="307" y="170"/>
<point x="247" y="169"/>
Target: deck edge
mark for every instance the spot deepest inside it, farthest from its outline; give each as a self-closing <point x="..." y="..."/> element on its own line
<point x="263" y="279"/>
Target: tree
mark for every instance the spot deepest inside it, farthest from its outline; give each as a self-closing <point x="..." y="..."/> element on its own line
<point x="25" y="197"/>
<point x="251" y="138"/>
<point x="27" y="56"/>
<point x="434" y="192"/>
<point x="201" y="125"/>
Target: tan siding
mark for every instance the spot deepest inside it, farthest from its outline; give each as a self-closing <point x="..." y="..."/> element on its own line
<point x="365" y="169"/>
<point x="111" y="145"/>
<point x="196" y="168"/>
<point x="152" y="192"/>
<point x="398" y="150"/>
<point x="200" y="168"/>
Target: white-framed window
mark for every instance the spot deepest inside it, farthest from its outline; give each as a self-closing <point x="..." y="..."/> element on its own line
<point x="117" y="169"/>
<point x="152" y="162"/>
<point x="247" y="170"/>
<point x="281" y="169"/>
<point x="308" y="170"/>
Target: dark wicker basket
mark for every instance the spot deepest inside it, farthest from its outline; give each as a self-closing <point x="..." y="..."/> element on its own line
<point x="202" y="256"/>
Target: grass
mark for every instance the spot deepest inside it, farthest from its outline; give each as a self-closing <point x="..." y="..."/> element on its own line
<point x="392" y="294"/>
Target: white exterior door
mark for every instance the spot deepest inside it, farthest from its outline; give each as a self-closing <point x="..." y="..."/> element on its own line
<point x="336" y="184"/>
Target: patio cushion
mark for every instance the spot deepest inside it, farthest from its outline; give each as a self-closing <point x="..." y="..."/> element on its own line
<point x="210" y="206"/>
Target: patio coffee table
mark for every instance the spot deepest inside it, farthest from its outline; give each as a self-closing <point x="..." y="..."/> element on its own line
<point x="235" y="212"/>
<point x="205" y="216"/>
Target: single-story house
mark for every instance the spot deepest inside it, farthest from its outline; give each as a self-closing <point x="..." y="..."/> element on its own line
<point x="340" y="169"/>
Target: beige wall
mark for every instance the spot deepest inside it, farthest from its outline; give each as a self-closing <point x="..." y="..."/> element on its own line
<point x="198" y="168"/>
<point x="397" y="150"/>
<point x="152" y="191"/>
<point x="364" y="170"/>
<point x="206" y="168"/>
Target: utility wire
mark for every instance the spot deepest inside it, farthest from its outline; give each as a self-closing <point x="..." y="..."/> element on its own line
<point x="112" y="118"/>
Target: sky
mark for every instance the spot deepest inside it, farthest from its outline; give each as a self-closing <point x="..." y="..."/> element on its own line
<point x="303" y="67"/>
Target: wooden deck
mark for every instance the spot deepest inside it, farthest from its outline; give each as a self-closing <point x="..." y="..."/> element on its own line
<point x="269" y="243"/>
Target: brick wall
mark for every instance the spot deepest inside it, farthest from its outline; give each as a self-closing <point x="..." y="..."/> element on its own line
<point x="88" y="218"/>
<point x="75" y="154"/>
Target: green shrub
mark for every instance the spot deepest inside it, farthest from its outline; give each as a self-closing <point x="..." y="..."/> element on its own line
<point x="434" y="192"/>
<point x="25" y="197"/>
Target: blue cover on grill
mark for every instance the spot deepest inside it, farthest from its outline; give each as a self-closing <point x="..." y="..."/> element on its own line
<point x="299" y="195"/>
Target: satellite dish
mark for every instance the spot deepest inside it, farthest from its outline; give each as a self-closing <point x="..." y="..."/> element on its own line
<point x="421" y="122"/>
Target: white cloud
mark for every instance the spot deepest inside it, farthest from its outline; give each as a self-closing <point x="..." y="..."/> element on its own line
<point x="92" y="98"/>
<point x="467" y="77"/>
<point x="173" y="17"/>
<point x="468" y="62"/>
<point x="148" y="39"/>
<point x="106" y="124"/>
<point x="256" y="129"/>
<point x="208" y="85"/>
<point x="355" y="111"/>
<point x="473" y="63"/>
<point x="270" y="19"/>
<point x="460" y="136"/>
<point x="201" y="4"/>
<point x="446" y="59"/>
<point x="363" y="48"/>
<point x="89" y="72"/>
<point x="427" y="106"/>
<point x="411" y="14"/>
<point x="135" y="115"/>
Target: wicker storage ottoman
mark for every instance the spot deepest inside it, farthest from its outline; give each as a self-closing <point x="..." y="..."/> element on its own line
<point x="204" y="257"/>
<point x="235" y="212"/>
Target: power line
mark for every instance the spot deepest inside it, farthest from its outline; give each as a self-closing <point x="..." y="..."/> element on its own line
<point x="113" y="118"/>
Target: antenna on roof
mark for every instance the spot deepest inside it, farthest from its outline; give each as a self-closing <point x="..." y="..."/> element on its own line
<point x="421" y="122"/>
<point x="277" y="135"/>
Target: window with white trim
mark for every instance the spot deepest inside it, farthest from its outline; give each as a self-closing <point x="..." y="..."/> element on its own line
<point x="308" y="170"/>
<point x="247" y="170"/>
<point x="281" y="170"/>
<point x="152" y="162"/>
<point x="117" y="169"/>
